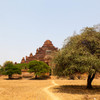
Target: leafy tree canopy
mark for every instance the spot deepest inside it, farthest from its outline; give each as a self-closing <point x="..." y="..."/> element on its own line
<point x="9" y="69"/>
<point x="80" y="54"/>
<point x="38" y="67"/>
<point x="22" y="65"/>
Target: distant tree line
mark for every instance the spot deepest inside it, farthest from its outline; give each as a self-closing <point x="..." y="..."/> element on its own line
<point x="38" y="67"/>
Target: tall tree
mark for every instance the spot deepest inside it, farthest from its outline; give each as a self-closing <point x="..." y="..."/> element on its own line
<point x="80" y="54"/>
<point x="38" y="67"/>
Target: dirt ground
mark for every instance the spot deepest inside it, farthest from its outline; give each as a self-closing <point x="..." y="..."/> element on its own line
<point x="24" y="89"/>
<point x="76" y="90"/>
<point x="50" y="89"/>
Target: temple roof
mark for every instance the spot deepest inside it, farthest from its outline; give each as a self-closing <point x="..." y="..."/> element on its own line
<point x="48" y="42"/>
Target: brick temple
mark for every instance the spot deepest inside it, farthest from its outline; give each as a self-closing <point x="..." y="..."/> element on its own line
<point x="42" y="54"/>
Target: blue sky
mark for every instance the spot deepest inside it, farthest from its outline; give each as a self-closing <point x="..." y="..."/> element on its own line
<point x="26" y="24"/>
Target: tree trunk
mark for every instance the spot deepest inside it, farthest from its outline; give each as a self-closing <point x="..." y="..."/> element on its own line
<point x="35" y="76"/>
<point x="50" y="73"/>
<point x="10" y="76"/>
<point x="89" y="81"/>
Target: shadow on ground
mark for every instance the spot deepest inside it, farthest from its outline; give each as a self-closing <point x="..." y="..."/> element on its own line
<point x="41" y="78"/>
<point x="13" y="78"/>
<point x="76" y="89"/>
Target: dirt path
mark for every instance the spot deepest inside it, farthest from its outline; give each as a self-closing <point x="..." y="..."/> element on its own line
<point x="52" y="96"/>
<point x="46" y="90"/>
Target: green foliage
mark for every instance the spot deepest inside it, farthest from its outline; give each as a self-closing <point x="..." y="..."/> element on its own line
<point x="9" y="69"/>
<point x="81" y="53"/>
<point x="7" y="63"/>
<point x="38" y="67"/>
<point x="22" y="65"/>
<point x="1" y="70"/>
<point x="0" y="66"/>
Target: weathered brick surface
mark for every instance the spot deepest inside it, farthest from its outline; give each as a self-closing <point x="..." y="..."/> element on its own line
<point x="42" y="54"/>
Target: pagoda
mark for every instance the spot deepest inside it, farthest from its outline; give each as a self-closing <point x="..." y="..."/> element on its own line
<point x="42" y="53"/>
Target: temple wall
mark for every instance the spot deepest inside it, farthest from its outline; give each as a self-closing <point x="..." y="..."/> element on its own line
<point x="41" y="52"/>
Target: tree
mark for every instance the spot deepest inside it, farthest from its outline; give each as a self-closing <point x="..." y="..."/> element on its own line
<point x="1" y="70"/>
<point x="38" y="67"/>
<point x="0" y="66"/>
<point x="81" y="54"/>
<point x="9" y="69"/>
<point x="22" y="65"/>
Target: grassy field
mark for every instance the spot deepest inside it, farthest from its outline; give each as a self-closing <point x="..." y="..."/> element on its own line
<point x="26" y="89"/>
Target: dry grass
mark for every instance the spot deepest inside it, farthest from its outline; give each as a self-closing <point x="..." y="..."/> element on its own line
<point x="76" y="90"/>
<point x="33" y="89"/>
<point x="23" y="89"/>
